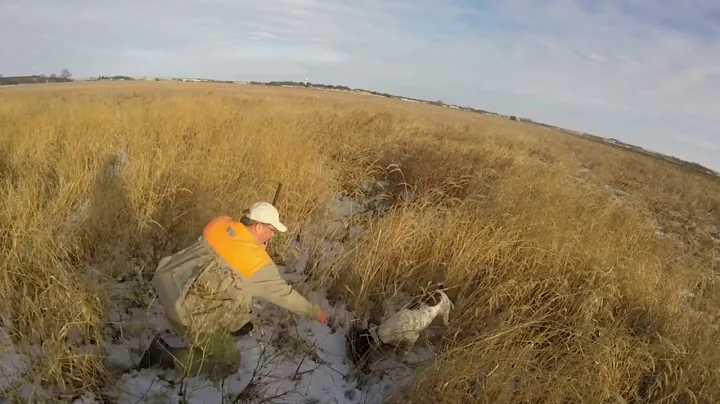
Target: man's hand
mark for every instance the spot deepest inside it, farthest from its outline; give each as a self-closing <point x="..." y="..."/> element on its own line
<point x="322" y="316"/>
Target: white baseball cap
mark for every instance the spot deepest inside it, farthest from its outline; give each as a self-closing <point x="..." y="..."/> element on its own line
<point x="264" y="212"/>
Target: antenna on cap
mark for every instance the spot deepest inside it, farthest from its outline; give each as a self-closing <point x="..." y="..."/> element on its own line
<point x="277" y="195"/>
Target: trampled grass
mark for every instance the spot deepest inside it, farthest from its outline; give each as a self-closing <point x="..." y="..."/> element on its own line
<point x="579" y="272"/>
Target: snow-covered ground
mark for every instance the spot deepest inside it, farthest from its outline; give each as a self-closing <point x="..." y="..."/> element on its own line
<point x="286" y="359"/>
<point x="12" y="363"/>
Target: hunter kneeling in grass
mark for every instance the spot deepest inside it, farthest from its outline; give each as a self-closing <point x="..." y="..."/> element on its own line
<point x="206" y="291"/>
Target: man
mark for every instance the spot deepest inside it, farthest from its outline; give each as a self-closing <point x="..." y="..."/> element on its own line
<point x="206" y="291"/>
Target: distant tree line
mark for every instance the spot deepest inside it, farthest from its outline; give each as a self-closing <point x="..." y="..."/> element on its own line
<point x="323" y="86"/>
<point x="198" y="80"/>
<point x="115" y="78"/>
<point x="303" y="84"/>
<point x="64" y="76"/>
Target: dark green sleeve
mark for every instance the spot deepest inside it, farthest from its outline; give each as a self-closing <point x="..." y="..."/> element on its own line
<point x="267" y="283"/>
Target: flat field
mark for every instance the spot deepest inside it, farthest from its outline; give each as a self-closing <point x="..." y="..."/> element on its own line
<point x="579" y="272"/>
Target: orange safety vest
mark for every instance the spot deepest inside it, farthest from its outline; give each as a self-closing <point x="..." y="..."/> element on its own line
<point x="233" y="242"/>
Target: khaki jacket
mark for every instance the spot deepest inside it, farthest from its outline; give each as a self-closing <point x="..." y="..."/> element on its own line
<point x="199" y="290"/>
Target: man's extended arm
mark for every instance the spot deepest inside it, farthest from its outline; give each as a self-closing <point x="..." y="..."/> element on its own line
<point x="267" y="283"/>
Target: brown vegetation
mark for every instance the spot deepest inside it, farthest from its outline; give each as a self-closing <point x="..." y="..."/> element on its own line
<point x="564" y="288"/>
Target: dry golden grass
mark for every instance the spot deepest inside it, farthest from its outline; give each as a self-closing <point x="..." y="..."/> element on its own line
<point x="563" y="292"/>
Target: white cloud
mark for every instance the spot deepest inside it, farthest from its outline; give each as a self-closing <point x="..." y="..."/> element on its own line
<point x="644" y="72"/>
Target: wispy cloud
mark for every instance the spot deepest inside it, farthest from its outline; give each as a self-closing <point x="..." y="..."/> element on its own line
<point x="645" y="72"/>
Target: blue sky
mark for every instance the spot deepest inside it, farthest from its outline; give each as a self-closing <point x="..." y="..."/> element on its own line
<point x="645" y="72"/>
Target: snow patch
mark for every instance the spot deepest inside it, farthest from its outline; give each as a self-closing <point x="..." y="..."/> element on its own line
<point x="118" y="357"/>
<point x="13" y="364"/>
<point x="16" y="382"/>
<point x="87" y="398"/>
